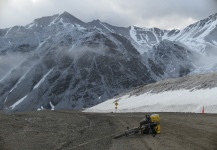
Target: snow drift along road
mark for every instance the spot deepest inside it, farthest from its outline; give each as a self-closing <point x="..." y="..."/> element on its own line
<point x="188" y="94"/>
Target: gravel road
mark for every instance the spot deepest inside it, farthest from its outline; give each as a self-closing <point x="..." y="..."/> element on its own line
<point x="73" y="130"/>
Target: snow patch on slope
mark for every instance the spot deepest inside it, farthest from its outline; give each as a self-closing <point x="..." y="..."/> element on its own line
<point x="30" y="26"/>
<point x="52" y="106"/>
<point x="19" y="81"/>
<point x="8" y="31"/>
<point x="155" y="35"/>
<point x="53" y="22"/>
<point x="112" y="31"/>
<point x="18" y="102"/>
<point x="42" y="80"/>
<point x="214" y="42"/>
<point x="209" y="27"/>
<point x="41" y="108"/>
<point x="133" y="34"/>
<point x="140" y="44"/>
<point x="168" y="101"/>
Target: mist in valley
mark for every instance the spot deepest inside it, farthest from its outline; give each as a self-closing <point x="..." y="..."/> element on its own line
<point x="8" y="62"/>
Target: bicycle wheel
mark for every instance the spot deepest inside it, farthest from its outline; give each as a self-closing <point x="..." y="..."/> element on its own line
<point x="128" y="133"/>
<point x="118" y="136"/>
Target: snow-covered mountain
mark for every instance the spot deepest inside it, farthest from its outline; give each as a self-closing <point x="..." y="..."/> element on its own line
<point x="186" y="94"/>
<point x="68" y="65"/>
<point x="65" y="63"/>
<point x="200" y="36"/>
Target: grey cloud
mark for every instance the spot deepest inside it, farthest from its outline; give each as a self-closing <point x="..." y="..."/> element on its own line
<point x="8" y="62"/>
<point x="165" y="14"/>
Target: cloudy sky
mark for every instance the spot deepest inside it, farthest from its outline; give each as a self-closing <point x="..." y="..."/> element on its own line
<point x="164" y="14"/>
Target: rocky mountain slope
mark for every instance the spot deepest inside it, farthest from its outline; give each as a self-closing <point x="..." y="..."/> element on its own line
<point x="65" y="63"/>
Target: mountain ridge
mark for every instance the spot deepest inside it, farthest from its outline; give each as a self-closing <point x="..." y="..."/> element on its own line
<point x="70" y="64"/>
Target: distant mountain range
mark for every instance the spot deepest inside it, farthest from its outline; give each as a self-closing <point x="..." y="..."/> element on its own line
<point x="61" y="62"/>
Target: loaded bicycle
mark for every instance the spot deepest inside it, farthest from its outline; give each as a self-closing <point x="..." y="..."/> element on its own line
<point x="148" y="125"/>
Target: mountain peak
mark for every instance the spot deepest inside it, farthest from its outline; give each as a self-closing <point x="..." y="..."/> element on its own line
<point x="209" y="19"/>
<point x="66" y="13"/>
<point x="70" y="18"/>
<point x="213" y="16"/>
<point x="97" y="20"/>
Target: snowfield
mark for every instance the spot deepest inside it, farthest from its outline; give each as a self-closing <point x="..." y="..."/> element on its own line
<point x="167" y="101"/>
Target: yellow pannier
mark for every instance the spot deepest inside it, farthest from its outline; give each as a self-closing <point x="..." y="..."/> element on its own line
<point x="156" y="118"/>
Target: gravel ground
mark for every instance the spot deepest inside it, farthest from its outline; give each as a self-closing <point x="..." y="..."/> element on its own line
<point x="68" y="130"/>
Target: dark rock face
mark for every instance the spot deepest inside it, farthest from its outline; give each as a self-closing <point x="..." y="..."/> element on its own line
<point x="155" y="68"/>
<point x="174" y="59"/>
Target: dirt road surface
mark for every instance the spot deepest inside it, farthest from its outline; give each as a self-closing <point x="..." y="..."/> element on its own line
<point x="73" y="130"/>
